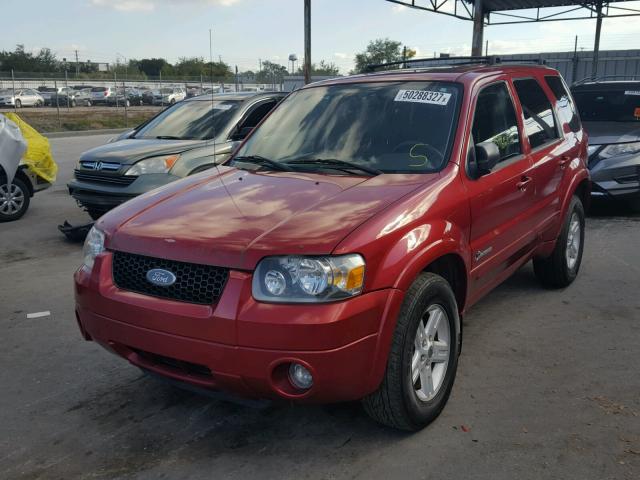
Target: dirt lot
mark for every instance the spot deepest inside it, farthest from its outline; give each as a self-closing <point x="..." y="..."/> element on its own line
<point x="548" y="385"/>
<point x="84" y="118"/>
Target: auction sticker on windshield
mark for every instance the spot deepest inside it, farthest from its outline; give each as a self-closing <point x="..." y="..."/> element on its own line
<point x="423" y="96"/>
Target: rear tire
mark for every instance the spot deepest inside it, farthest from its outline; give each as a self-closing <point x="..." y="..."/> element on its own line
<point x="14" y="200"/>
<point x="421" y="367"/>
<point x="561" y="268"/>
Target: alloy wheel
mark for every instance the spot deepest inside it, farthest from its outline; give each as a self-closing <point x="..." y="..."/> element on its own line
<point x="431" y="353"/>
<point x="573" y="241"/>
<point x="11" y="199"/>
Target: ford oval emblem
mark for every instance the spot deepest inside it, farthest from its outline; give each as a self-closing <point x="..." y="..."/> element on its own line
<point x="161" y="277"/>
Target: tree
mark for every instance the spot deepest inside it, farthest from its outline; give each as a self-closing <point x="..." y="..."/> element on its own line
<point x="153" y="67"/>
<point x="381" y="50"/>
<point x="22" y="61"/>
<point x="196" y="66"/>
<point x="322" y="68"/>
<point x="271" y="72"/>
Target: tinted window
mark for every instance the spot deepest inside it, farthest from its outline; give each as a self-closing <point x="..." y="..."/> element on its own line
<point x="391" y="126"/>
<point x="539" y="124"/>
<point x="191" y="120"/>
<point x="566" y="109"/>
<point x="258" y="114"/>
<point x="608" y="105"/>
<point x="495" y="120"/>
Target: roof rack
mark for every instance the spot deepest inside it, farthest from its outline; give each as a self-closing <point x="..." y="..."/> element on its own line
<point x="607" y="78"/>
<point x="485" y="60"/>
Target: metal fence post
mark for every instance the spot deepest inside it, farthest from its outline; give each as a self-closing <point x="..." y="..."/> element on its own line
<point x="115" y="85"/>
<point x="126" y="100"/>
<point x="55" y="85"/>
<point x="66" y="85"/>
<point x="13" y="88"/>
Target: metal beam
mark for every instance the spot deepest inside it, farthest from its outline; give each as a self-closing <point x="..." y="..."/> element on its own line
<point x="478" y="29"/>
<point x="581" y="10"/>
<point x="596" y="45"/>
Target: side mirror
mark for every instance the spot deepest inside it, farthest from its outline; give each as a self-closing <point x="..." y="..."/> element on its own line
<point x="487" y="156"/>
<point x="241" y="133"/>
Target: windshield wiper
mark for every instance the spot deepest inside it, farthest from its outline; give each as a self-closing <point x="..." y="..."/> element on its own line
<point x="172" y="137"/>
<point x="262" y="161"/>
<point x="336" y="164"/>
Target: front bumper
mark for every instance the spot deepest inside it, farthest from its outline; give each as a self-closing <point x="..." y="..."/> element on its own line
<point x="616" y="177"/>
<point x="240" y="345"/>
<point x="104" y="197"/>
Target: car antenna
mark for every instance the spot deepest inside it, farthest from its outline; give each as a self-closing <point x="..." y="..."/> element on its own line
<point x="212" y="102"/>
<point x="215" y="163"/>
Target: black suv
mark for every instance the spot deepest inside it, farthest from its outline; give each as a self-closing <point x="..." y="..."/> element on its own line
<point x="610" y="112"/>
<point x="186" y="138"/>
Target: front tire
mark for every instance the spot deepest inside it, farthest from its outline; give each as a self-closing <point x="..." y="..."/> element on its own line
<point x="561" y="268"/>
<point x="14" y="200"/>
<point x="18" y="104"/>
<point x="423" y="360"/>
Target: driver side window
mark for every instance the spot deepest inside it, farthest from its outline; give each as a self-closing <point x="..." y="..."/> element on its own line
<point x="495" y="121"/>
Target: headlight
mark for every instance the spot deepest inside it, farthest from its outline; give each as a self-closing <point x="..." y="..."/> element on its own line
<point x="301" y="279"/>
<point x="620" y="149"/>
<point x="93" y="246"/>
<point x="153" y="165"/>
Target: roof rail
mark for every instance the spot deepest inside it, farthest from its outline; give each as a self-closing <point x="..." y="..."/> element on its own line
<point x="606" y="78"/>
<point x="484" y="60"/>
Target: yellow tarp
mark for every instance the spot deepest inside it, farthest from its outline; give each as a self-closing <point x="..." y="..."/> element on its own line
<point x="38" y="154"/>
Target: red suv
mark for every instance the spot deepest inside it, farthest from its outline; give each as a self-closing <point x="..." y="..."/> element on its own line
<point x="332" y="258"/>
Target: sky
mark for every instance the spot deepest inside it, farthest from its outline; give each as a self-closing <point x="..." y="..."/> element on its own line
<point x="246" y="31"/>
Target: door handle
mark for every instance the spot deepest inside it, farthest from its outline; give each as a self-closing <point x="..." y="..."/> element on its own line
<point x="564" y="160"/>
<point x="523" y="183"/>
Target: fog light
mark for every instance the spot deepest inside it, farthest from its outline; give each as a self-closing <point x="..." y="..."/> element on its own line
<point x="300" y="377"/>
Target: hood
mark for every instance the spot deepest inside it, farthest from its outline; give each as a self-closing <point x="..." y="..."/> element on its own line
<point x="234" y="218"/>
<point x="129" y="151"/>
<point x="604" y="133"/>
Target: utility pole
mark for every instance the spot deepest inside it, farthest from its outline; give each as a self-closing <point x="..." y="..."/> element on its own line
<point x="77" y="64"/>
<point x="404" y="56"/>
<point x="486" y="48"/>
<point x="307" y="41"/>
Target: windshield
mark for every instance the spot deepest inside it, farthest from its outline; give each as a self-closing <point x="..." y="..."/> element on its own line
<point x="393" y="127"/>
<point x="166" y="90"/>
<point x="608" y="105"/>
<point x="98" y="89"/>
<point x="200" y="120"/>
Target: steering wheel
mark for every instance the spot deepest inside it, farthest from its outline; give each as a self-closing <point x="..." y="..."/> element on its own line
<point x="421" y="153"/>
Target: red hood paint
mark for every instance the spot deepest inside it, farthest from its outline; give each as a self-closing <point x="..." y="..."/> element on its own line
<point x="234" y="218"/>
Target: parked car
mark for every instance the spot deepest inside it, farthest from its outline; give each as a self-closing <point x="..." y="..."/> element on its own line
<point x="168" y="96"/>
<point x="331" y="258"/>
<point x="147" y="96"/>
<point x="21" y="97"/>
<point x="68" y="96"/>
<point x="46" y="93"/>
<point x="610" y="111"/>
<point x="125" y="97"/>
<point x="100" y="95"/>
<point x="194" y="92"/>
<point x="184" y="139"/>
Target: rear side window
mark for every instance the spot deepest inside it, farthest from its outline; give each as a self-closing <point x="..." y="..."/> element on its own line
<point x="495" y="120"/>
<point x="566" y="108"/>
<point x="539" y="124"/>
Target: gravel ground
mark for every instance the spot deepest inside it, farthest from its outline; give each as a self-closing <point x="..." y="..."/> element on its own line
<point x="548" y="384"/>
